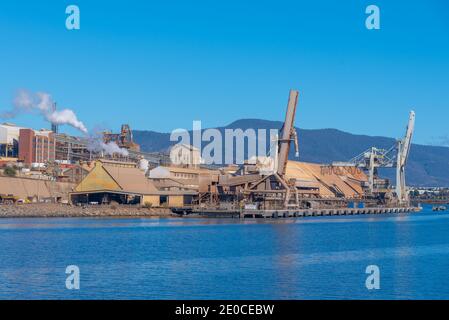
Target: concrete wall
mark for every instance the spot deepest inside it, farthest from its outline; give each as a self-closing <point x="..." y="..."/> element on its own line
<point x="173" y="200"/>
<point x="154" y="200"/>
<point x="176" y="201"/>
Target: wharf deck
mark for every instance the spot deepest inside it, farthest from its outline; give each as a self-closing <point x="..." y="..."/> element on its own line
<point x="323" y="212"/>
<point x="290" y="213"/>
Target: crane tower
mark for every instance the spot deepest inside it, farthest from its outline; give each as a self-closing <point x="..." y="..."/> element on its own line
<point x="401" y="161"/>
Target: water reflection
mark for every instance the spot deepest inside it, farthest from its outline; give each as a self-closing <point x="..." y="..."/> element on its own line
<point x="191" y="258"/>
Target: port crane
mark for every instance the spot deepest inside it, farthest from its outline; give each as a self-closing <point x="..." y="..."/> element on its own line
<point x="403" y="147"/>
<point x="370" y="160"/>
<point x="288" y="134"/>
<point x="265" y="187"/>
<point x="396" y="156"/>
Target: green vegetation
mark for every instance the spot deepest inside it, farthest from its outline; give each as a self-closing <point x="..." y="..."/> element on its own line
<point x="10" y="172"/>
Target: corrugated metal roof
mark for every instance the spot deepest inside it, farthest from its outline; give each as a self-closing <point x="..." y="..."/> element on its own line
<point x="131" y="179"/>
<point x="190" y="170"/>
<point x="339" y="178"/>
<point x="24" y="187"/>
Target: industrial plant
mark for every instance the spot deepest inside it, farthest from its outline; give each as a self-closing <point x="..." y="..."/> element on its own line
<point x="109" y="168"/>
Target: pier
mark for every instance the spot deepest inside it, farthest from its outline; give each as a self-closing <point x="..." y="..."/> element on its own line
<point x="275" y="214"/>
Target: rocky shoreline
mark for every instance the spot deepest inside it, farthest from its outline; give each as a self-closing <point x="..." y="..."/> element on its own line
<point x="42" y="210"/>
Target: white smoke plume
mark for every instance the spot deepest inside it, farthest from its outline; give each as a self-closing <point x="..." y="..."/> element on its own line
<point x="97" y="145"/>
<point x="109" y="148"/>
<point x="23" y="101"/>
<point x="27" y="102"/>
<point x="112" y="148"/>
<point x="44" y="102"/>
<point x="66" y="116"/>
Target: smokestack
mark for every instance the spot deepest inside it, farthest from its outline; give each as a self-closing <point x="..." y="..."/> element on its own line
<point x="54" y="127"/>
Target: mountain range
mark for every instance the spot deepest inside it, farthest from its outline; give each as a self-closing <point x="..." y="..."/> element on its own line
<point x="427" y="165"/>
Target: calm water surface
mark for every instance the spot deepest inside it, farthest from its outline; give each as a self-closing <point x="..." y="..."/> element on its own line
<point x="322" y="257"/>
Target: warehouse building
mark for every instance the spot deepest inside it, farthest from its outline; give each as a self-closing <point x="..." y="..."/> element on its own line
<point x="124" y="183"/>
<point x="181" y="179"/>
<point x="175" y="172"/>
<point x="35" y="189"/>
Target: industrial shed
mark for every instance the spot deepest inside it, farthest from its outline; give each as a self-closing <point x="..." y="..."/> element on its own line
<point x="108" y="182"/>
<point x="35" y="189"/>
<point x="332" y="181"/>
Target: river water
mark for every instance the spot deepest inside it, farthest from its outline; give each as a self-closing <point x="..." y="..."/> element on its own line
<point x="303" y="258"/>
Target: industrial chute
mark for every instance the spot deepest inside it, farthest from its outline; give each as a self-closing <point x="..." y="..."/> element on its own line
<point x="288" y="133"/>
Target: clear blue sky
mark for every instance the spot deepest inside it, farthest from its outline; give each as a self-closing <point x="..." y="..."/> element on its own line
<point x="159" y="65"/>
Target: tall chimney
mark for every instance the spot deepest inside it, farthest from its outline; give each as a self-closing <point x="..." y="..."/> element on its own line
<point x="54" y="127"/>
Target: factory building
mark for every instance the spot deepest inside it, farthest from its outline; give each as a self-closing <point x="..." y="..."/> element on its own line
<point x="69" y="148"/>
<point x="178" y="178"/>
<point x="124" y="183"/>
<point x="185" y="155"/>
<point x="124" y="139"/>
<point x="36" y="147"/>
<point x="9" y="140"/>
<point x="165" y="172"/>
<point x="74" y="172"/>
